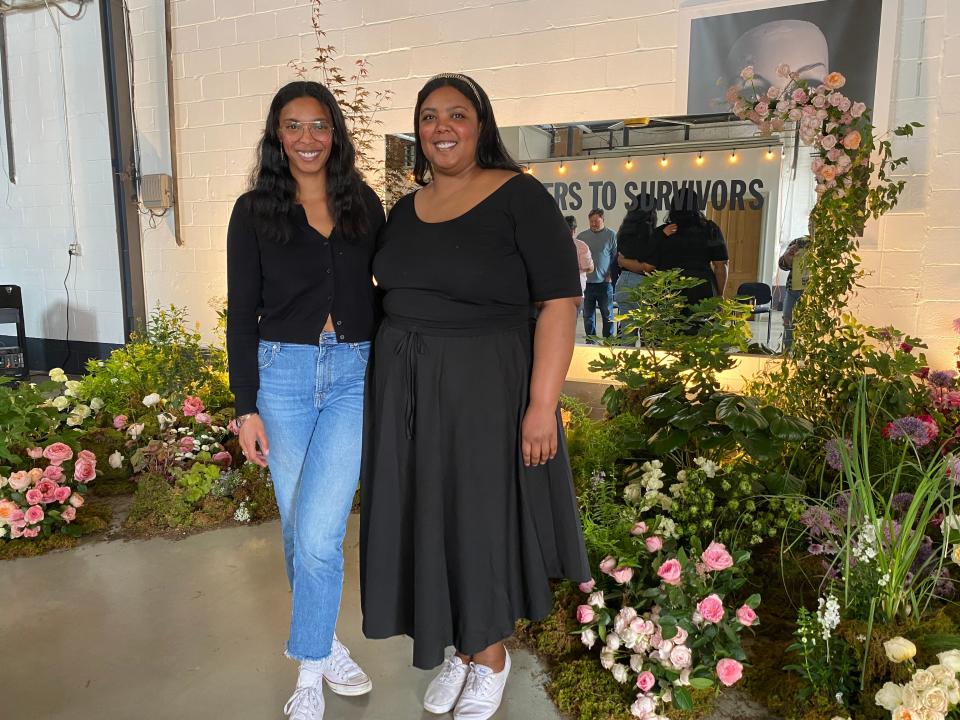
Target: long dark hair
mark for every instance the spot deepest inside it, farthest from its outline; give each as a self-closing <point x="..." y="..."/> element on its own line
<point x="641" y="218"/>
<point x="685" y="209"/>
<point x="273" y="189"/>
<point x="491" y="152"/>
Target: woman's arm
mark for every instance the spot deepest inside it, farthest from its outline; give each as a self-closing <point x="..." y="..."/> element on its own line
<point x="720" y="273"/>
<point x="636" y="266"/>
<point x="552" y="351"/>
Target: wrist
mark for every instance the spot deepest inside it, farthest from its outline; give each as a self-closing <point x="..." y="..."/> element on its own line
<point x="241" y="419"/>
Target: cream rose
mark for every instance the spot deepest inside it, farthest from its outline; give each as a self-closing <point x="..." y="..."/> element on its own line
<point x="936" y="699"/>
<point x="951" y="659"/>
<point x="899" y="649"/>
<point x="889" y="697"/>
<point x="922" y="680"/>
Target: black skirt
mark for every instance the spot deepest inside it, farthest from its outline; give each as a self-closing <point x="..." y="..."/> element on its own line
<point x="458" y="539"/>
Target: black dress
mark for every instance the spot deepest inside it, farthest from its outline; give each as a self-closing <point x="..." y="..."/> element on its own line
<point x="692" y="249"/>
<point x="457" y="538"/>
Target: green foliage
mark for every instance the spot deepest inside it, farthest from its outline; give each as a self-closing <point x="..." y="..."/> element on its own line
<point x="827" y="665"/>
<point x="158" y="506"/>
<point x="198" y="480"/>
<point x="26" y="420"/>
<point x="167" y="358"/>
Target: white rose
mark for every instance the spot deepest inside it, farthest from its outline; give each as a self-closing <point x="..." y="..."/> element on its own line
<point x="613" y="641"/>
<point x="951" y="522"/>
<point x="922" y="679"/>
<point x="629" y="637"/>
<point x="116" y="460"/>
<point x="684" y="679"/>
<point x="74" y="420"/>
<point x="941" y="673"/>
<point x="633" y="493"/>
<point x="606" y="658"/>
<point x="889" y="697"/>
<point x="3" y="531"/>
<point x="952" y="688"/>
<point x="909" y="697"/>
<point x="596" y="599"/>
<point x="61" y="403"/>
<point x="72" y="385"/>
<point x="151" y="399"/>
<point x="681" y="657"/>
<point x="588" y="637"/>
<point x="950" y="658"/>
<point x="636" y="663"/>
<point x="134" y="430"/>
<point x="899" y="649"/>
<point x="58" y="375"/>
<point x="644" y="707"/>
<point x="936" y="699"/>
<point x="620" y="673"/>
<point x="83" y="411"/>
<point x="96" y="404"/>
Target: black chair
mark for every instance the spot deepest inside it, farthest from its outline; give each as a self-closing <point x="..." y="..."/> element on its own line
<point x="11" y="313"/>
<point x="759" y="295"/>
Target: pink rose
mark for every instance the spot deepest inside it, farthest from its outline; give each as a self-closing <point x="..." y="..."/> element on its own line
<point x="638" y="529"/>
<point x="222" y="458"/>
<point x="587" y="587"/>
<point x="34" y="496"/>
<point x="20" y="480"/>
<point x="62" y="494"/>
<point x="76" y="500"/>
<point x="58" y="453"/>
<point x="851" y="141"/>
<point x="645" y="681"/>
<point x="608" y="564"/>
<point x="746" y="616"/>
<point x="203" y="418"/>
<point x="669" y="572"/>
<point x="192" y="405"/>
<point x="53" y="472"/>
<point x="8" y="510"/>
<point x="762" y="108"/>
<point x="716" y="557"/>
<point x="69" y="515"/>
<point x="120" y="422"/>
<point x="84" y="471"/>
<point x="681" y="657"/>
<point x="47" y="488"/>
<point x="799" y="95"/>
<point x="653" y="543"/>
<point x="729" y="671"/>
<point x="828" y="173"/>
<point x="585" y="614"/>
<point x="681" y="637"/>
<point x="857" y="109"/>
<point x="711" y="608"/>
<point x="87" y="455"/>
<point x="34" y="514"/>
<point x="622" y="575"/>
<point x="773" y="92"/>
<point x="828" y="141"/>
<point x="35" y="453"/>
<point x="186" y="444"/>
<point x="834" y="81"/>
<point x="29" y="532"/>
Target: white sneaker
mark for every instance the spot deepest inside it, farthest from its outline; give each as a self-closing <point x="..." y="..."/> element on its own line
<point x="444" y="690"/>
<point x="342" y="673"/>
<point x="306" y="703"/>
<point x="482" y="693"/>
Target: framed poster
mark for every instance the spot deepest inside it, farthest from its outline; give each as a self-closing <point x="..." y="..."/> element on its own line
<point x="814" y="37"/>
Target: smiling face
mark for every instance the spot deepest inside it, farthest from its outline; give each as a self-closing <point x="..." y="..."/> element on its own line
<point x="449" y="129"/>
<point x="305" y="143"/>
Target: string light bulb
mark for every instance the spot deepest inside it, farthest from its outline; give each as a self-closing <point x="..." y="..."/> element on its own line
<point x="663" y="161"/>
<point x="629" y="163"/>
<point x="700" y="158"/>
<point x="769" y="154"/>
<point x="595" y="166"/>
<point x="563" y="168"/>
<point x="733" y="156"/>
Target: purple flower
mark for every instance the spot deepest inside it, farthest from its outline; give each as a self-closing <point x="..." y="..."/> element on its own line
<point x="912" y="428"/>
<point x="945" y="585"/>
<point x="942" y="378"/>
<point x="818" y="521"/>
<point x="901" y="501"/>
<point x="815" y="549"/>
<point x="953" y="468"/>
<point x="834" y="459"/>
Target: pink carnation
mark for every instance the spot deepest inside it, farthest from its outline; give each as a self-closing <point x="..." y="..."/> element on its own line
<point x="729" y="671"/>
<point x="585" y="614"/>
<point x="58" y="453"/>
<point x="711" y="608"/>
<point x="35" y="453"/>
<point x="746" y="616"/>
<point x="34" y="514"/>
<point x="192" y="405"/>
<point x="69" y="515"/>
<point x="84" y="471"/>
<point x="716" y="557"/>
<point x="120" y="422"/>
<point x="670" y="572"/>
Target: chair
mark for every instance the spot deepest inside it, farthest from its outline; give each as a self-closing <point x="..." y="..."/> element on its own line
<point x="759" y="295"/>
<point x="13" y="361"/>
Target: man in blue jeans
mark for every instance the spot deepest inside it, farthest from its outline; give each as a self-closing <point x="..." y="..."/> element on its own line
<point x="602" y="242"/>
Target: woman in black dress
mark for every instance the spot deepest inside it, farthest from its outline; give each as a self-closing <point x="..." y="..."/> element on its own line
<point x="467" y="501"/>
<point x="694" y="245"/>
<point x="636" y="253"/>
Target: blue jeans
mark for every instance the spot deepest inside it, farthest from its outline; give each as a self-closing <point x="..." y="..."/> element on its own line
<point x="598" y="294"/>
<point x="311" y="403"/>
<point x="789" y="302"/>
<point x="625" y="283"/>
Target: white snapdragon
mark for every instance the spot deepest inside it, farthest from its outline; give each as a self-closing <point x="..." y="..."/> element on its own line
<point x="828" y="615"/>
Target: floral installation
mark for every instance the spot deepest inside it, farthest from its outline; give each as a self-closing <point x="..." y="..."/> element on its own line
<point x="668" y="621"/>
<point x="43" y="499"/>
<point x="72" y="407"/>
<point x="930" y="694"/>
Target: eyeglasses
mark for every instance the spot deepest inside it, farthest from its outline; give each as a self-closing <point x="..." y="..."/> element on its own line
<point x="318" y="128"/>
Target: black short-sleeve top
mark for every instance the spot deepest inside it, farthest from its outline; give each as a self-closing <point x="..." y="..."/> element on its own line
<point x="484" y="268"/>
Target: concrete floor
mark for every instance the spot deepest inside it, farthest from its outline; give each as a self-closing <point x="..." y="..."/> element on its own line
<point x="191" y="630"/>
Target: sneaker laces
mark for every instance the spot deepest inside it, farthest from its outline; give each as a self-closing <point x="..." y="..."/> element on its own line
<point x="451" y="674"/>
<point x="480" y="680"/>
<point x="340" y="662"/>
<point x="306" y="703"/>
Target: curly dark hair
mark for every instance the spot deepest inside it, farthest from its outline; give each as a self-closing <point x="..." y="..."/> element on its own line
<point x="491" y="152"/>
<point x="273" y="189"/>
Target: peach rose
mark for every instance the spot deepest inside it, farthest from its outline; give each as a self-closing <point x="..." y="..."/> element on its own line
<point x="670" y="571"/>
<point x="58" y="453"/>
<point x="828" y="173"/>
<point x="20" y="480"/>
<point x="69" y="515"/>
<point x="76" y="500"/>
<point x="35" y="475"/>
<point x="8" y="509"/>
<point x="84" y="471"/>
<point x="716" y="557"/>
<point x="729" y="671"/>
<point x="711" y="608"/>
<point x="851" y="141"/>
<point x="834" y="81"/>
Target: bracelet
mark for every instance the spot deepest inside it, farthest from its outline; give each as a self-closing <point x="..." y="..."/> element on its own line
<point x="241" y="419"/>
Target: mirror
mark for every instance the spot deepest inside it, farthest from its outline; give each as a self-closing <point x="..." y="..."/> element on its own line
<point x="756" y="191"/>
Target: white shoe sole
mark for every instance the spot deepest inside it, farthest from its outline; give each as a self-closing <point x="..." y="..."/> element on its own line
<point x="440" y="709"/>
<point x="349" y="690"/>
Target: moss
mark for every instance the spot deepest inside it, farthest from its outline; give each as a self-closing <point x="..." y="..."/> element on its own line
<point x="158" y="506"/>
<point x="257" y="492"/>
<point x="553" y="637"/>
<point x="21" y="548"/>
<point x="94" y="517"/>
<point x="102" y="442"/>
<point x="588" y="692"/>
<point x="112" y="487"/>
<point x="213" y="511"/>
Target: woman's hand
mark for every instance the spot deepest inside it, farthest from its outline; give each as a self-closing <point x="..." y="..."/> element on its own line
<point x="252" y="434"/>
<point x="670" y="229"/>
<point x="538" y="434"/>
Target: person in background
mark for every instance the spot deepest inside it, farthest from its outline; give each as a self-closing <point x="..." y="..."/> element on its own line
<point x="584" y="258"/>
<point x="636" y="250"/>
<point x="599" y="289"/>
<point x="794" y="260"/>
<point x="694" y="245"/>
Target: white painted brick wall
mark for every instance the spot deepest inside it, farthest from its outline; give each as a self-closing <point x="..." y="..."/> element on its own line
<point x="37" y="220"/>
<point x="541" y="61"/>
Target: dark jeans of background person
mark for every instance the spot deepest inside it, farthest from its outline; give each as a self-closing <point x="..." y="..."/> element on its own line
<point x="598" y="294"/>
<point x="789" y="302"/>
